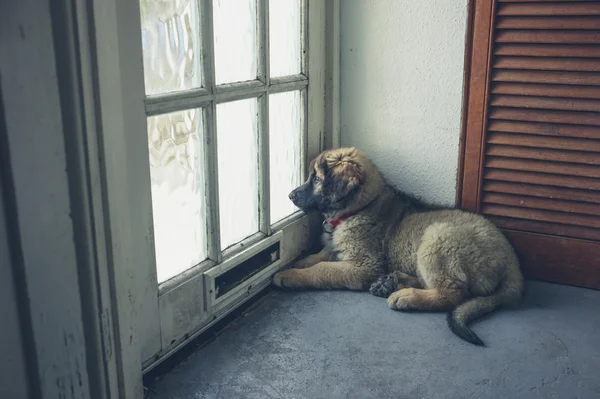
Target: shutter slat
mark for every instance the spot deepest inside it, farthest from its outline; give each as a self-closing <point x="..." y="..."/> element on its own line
<point x="532" y="115"/>
<point x="560" y="143"/>
<point x="568" y="78"/>
<point x="547" y="90"/>
<point x="548" y="9"/>
<point x="586" y="233"/>
<point x="548" y="50"/>
<point x="548" y="36"/>
<point x="520" y="201"/>
<point x="543" y="1"/>
<point x="527" y="165"/>
<point x="566" y="104"/>
<point x="548" y="23"/>
<point x="541" y="215"/>
<point x="509" y="151"/>
<point x="560" y="193"/>
<point x="548" y="64"/>
<point x="545" y="129"/>
<point x="543" y="179"/>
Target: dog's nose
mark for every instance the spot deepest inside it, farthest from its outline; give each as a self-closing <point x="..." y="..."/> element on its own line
<point x="292" y="195"/>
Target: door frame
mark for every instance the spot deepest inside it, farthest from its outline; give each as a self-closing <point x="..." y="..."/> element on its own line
<point x="475" y="91"/>
<point x="73" y="305"/>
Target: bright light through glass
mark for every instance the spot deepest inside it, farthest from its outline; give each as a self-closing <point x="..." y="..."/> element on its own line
<point x="235" y="40"/>
<point x="170" y="41"/>
<point x="237" y="142"/>
<point x="177" y="182"/>
<point x="285" y="132"/>
<point x="284" y="35"/>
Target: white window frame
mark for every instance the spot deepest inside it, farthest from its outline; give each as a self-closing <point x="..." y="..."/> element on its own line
<point x="75" y="319"/>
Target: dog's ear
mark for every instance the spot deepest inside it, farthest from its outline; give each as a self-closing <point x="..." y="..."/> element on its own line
<point x="348" y="176"/>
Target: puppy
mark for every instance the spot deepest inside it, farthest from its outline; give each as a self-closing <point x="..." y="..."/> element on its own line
<point x="419" y="257"/>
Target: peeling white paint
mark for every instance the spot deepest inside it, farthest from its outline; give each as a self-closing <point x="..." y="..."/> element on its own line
<point x="401" y="89"/>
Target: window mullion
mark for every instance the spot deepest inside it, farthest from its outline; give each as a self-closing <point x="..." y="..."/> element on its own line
<point x="304" y="135"/>
<point x="263" y="119"/>
<point x="212" y="183"/>
<point x="304" y="93"/>
<point x="304" y="37"/>
<point x="210" y="133"/>
<point x="263" y="41"/>
<point x="263" y="165"/>
<point x="304" y="43"/>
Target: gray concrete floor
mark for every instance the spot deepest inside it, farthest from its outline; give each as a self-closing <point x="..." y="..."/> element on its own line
<point x="350" y="345"/>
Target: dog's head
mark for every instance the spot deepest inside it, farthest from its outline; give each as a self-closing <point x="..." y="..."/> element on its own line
<point x="339" y="179"/>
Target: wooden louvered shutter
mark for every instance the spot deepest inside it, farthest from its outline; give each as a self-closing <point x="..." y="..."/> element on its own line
<point x="531" y="150"/>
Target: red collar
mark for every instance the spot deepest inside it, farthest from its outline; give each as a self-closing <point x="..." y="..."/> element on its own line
<point x="333" y="223"/>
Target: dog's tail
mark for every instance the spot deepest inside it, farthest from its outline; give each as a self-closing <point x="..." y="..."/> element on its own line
<point x="509" y="293"/>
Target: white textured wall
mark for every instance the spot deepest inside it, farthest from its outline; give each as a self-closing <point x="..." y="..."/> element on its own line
<point x="401" y="89"/>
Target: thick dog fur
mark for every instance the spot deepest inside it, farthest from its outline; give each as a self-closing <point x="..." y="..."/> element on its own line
<point x="419" y="256"/>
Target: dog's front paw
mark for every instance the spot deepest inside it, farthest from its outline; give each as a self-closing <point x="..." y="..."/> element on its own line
<point x="280" y="278"/>
<point x="383" y="287"/>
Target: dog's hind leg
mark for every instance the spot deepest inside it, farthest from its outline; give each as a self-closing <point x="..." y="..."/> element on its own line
<point x="439" y="267"/>
<point x="326" y="275"/>
<point x="425" y="299"/>
<point x="384" y="286"/>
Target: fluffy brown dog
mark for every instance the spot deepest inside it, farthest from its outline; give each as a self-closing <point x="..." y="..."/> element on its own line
<point x="418" y="256"/>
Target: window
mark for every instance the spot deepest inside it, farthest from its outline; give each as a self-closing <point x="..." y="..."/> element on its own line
<point x="226" y="104"/>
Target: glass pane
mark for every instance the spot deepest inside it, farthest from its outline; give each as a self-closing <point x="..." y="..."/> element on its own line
<point x="177" y="177"/>
<point x="284" y="34"/>
<point x="285" y="132"/>
<point x="235" y="40"/>
<point x="170" y="36"/>
<point x="237" y="141"/>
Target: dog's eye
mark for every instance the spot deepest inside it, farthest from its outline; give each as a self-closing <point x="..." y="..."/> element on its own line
<point x="317" y="179"/>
